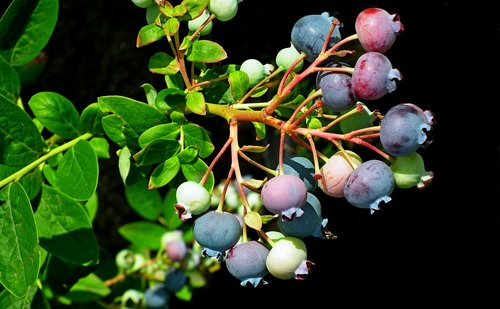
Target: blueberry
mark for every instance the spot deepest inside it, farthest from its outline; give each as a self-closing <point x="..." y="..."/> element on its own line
<point x="284" y="195"/>
<point x="247" y="262"/>
<point x="336" y="88"/>
<point x="157" y="296"/>
<point x="377" y="29"/>
<point x="309" y="224"/>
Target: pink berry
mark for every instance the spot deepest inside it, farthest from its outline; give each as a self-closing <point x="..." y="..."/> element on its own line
<point x="377" y="30"/>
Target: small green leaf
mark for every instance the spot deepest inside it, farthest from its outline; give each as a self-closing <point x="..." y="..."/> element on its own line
<point x="254" y="184"/>
<point x="194" y="8"/>
<point x="124" y="163"/>
<point x="78" y="172"/>
<point x="167" y="9"/>
<point x="91" y="120"/>
<point x="10" y="85"/>
<point x="56" y="113"/>
<point x="157" y="151"/>
<point x="174" y="81"/>
<point x="10" y="301"/>
<point x="171" y="218"/>
<point x="64" y="228"/>
<point x="260" y="91"/>
<point x="199" y="138"/>
<point x="180" y="10"/>
<point x="170" y="98"/>
<point x="50" y="174"/>
<point x="314" y="123"/>
<point x="254" y="148"/>
<point x="268" y="218"/>
<point x="357" y="121"/>
<point x="147" y="203"/>
<point x="143" y="234"/>
<point x="149" y="34"/>
<point x="253" y="220"/>
<point x="150" y="93"/>
<point x="206" y="51"/>
<point x="113" y="126"/>
<point x="163" y="63"/>
<point x="25" y="29"/>
<point x="171" y="26"/>
<point x="19" y="257"/>
<point x="197" y="279"/>
<point x="195" y="170"/>
<point x="164" y="172"/>
<point x="91" y="206"/>
<point x="163" y="131"/>
<point x="195" y="102"/>
<point x="87" y="289"/>
<point x="20" y="141"/>
<point x="178" y="117"/>
<point x="187" y="155"/>
<point x="185" y="44"/>
<point x="260" y="130"/>
<point x="239" y="84"/>
<point x="185" y="294"/>
<point x="101" y="147"/>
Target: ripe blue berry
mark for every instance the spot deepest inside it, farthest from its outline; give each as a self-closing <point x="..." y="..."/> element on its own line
<point x="377" y="30"/>
<point x="336" y="88"/>
<point x="284" y="195"/>
<point x="216" y="232"/>
<point x="309" y="224"/>
<point x="247" y="262"/>
<point x="175" y="280"/>
<point x="309" y="34"/>
<point x="303" y="168"/>
<point x="157" y="296"/>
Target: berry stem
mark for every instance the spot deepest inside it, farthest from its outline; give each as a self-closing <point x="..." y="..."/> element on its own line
<point x="358" y="109"/>
<point x="314" y="153"/>
<point x="297" y="110"/>
<point x="262" y="82"/>
<point x="224" y="190"/>
<point x="214" y="161"/>
<point x="361" y="131"/>
<point x="317" y="104"/>
<point x="289" y="71"/>
<point x="257" y="164"/>
<point x="209" y="19"/>
<point x="233" y="134"/>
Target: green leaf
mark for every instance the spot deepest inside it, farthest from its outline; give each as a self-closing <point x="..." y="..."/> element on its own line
<point x="260" y="130"/>
<point x="167" y="9"/>
<point x="253" y="220"/>
<point x="64" y="228"/>
<point x="185" y="294"/>
<point x="268" y="218"/>
<point x="170" y="98"/>
<point x="171" y="26"/>
<point x="174" y="81"/>
<point x="137" y="115"/>
<point x="143" y="234"/>
<point x="314" y="123"/>
<point x="254" y="148"/>
<point x="20" y="140"/>
<point x="359" y="120"/>
<point x="164" y="172"/>
<point x="195" y="102"/>
<point x="163" y="131"/>
<point x="187" y="155"/>
<point x="260" y="91"/>
<point x="171" y="218"/>
<point x="147" y="203"/>
<point x="239" y="84"/>
<point x="78" y="172"/>
<point x="199" y="138"/>
<point x="195" y="170"/>
<point x="163" y="63"/>
<point x="150" y="93"/>
<point x="124" y="163"/>
<point x="60" y="276"/>
<point x="19" y="257"/>
<point x="10" y="301"/>
<point x="180" y="10"/>
<point x="91" y="206"/>
<point x="25" y="29"/>
<point x="114" y="128"/>
<point x="91" y="120"/>
<point x="56" y="113"/>
<point x="87" y="289"/>
<point x="101" y="147"/>
<point x="32" y="183"/>
<point x="157" y="151"/>
<point x="50" y="174"/>
<point x="194" y="8"/>
<point x="10" y="85"/>
<point x="206" y="51"/>
<point x="149" y="34"/>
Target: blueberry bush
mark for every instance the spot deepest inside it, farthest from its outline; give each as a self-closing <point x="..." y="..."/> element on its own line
<point x="313" y="116"/>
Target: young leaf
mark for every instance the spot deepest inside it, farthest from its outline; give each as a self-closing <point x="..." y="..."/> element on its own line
<point x="163" y="131"/>
<point x="101" y="147"/>
<point x="195" y="170"/>
<point x="149" y="34"/>
<point x="143" y="234"/>
<point x="87" y="289"/>
<point x="195" y="102"/>
<point x="260" y="130"/>
<point x="206" y="51"/>
<point x="64" y="228"/>
<point x="150" y="93"/>
<point x="10" y="85"/>
<point x="199" y="138"/>
<point x="20" y="140"/>
<point x="253" y="220"/>
<point x="194" y="8"/>
<point x="255" y="148"/>
<point x="171" y="26"/>
<point x="170" y="98"/>
<point x="19" y="257"/>
<point x="157" y="151"/>
<point x="187" y="155"/>
<point x="78" y="172"/>
<point x="163" y="63"/>
<point x="164" y="172"/>
<point x="180" y="10"/>
<point x="56" y="113"/>
<point x="239" y="84"/>
<point x="171" y="218"/>
<point x="91" y="120"/>
<point x="25" y="29"/>
<point x="124" y="163"/>
<point x="147" y="203"/>
<point x="114" y="127"/>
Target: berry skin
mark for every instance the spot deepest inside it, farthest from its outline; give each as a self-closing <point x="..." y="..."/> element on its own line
<point x="284" y="195"/>
<point x="175" y="247"/>
<point x="196" y="23"/>
<point x="144" y="4"/>
<point x="309" y="224"/>
<point x="125" y="259"/>
<point x="255" y="71"/>
<point x="175" y="280"/>
<point x="409" y="171"/>
<point x="287" y="56"/>
<point x="157" y="296"/>
<point x="335" y="172"/>
<point x="288" y="259"/>
<point x="377" y="30"/>
<point x="336" y="88"/>
<point x="192" y="199"/>
<point x="402" y="131"/>
<point x="217" y="232"/>
<point x="303" y="168"/>
<point x="223" y="10"/>
<point x="373" y="76"/>
<point x="369" y="184"/>
<point x="247" y="262"/>
<point x="309" y="34"/>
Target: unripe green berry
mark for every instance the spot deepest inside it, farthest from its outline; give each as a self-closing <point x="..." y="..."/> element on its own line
<point x="409" y="171"/>
<point x="144" y="4"/>
<point x="125" y="259"/>
<point x="288" y="259"/>
<point x="196" y="23"/>
<point x="223" y="10"/>
<point x="287" y="56"/>
<point x="192" y="199"/>
<point x="255" y="71"/>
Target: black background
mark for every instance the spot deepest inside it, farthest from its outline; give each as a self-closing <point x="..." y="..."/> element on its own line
<point x="430" y="245"/>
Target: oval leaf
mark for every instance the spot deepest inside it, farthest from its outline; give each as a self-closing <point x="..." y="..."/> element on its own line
<point x="253" y="220"/>
<point x="254" y="148"/>
<point x="187" y="155"/>
<point x="10" y="85"/>
<point x="195" y="8"/>
<point x="78" y="172"/>
<point x="89" y="288"/>
<point x="199" y="138"/>
<point x="162" y="63"/>
<point x="157" y="151"/>
<point x="171" y="218"/>
<point x="239" y="84"/>
<point x="124" y="163"/>
<point x="164" y="172"/>
<point x="64" y="228"/>
<point x="206" y="51"/>
<point x="147" y="203"/>
<point x="195" y="102"/>
<point x="195" y="170"/>
<point x="56" y="113"/>
<point x="91" y="120"/>
<point x="149" y="34"/>
<point x="19" y="257"/>
<point x="164" y="131"/>
<point x="171" y="26"/>
<point x="143" y="234"/>
<point x="260" y="130"/>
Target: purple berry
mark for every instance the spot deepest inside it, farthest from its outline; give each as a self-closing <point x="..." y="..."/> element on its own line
<point x="373" y="76"/>
<point x="176" y="250"/>
<point x="216" y="232"/>
<point x="284" y="195"/>
<point x="377" y="30"/>
<point x="247" y="262"/>
<point x="403" y="129"/>
<point x="369" y="184"/>
<point x="309" y="34"/>
<point x="336" y="88"/>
